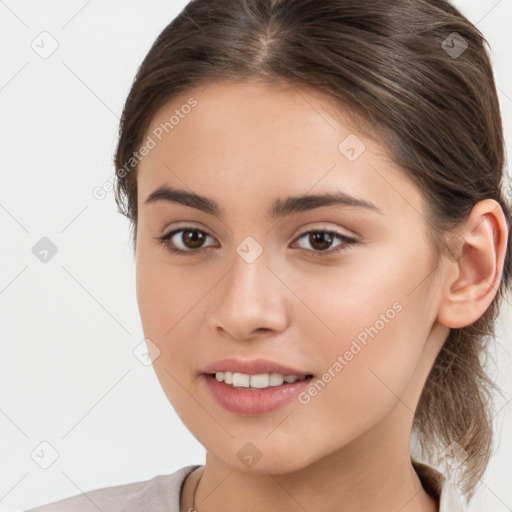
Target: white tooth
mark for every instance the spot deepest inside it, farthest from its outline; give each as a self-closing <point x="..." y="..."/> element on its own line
<point x="260" y="380"/>
<point x="241" y="380"/>
<point x="275" y="379"/>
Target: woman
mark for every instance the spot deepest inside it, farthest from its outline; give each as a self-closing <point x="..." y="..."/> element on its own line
<point x="322" y="244"/>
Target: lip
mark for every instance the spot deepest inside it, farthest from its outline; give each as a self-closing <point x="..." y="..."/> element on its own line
<point x="253" y="402"/>
<point x="252" y="367"/>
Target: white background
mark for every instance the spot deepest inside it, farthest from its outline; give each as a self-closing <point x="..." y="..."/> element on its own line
<point x="69" y="326"/>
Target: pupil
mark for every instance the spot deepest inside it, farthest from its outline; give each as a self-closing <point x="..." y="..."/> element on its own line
<point x="195" y="237"/>
<point x="325" y="239"/>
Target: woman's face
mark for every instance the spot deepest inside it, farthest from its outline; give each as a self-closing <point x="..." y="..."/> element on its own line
<point x="360" y="317"/>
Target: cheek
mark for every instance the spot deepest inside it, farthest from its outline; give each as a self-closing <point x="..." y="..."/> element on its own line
<point x="371" y="336"/>
<point x="173" y="307"/>
<point x="162" y="302"/>
<point x="165" y="292"/>
<point x="166" y="300"/>
<point x="365" y="375"/>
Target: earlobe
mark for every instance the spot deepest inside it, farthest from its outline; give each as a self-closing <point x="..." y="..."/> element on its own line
<point x="474" y="275"/>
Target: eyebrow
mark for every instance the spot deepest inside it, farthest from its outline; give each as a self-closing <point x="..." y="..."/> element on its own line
<point x="279" y="208"/>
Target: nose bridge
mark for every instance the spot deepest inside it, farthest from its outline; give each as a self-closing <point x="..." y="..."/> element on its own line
<point x="252" y="297"/>
<point x="250" y="272"/>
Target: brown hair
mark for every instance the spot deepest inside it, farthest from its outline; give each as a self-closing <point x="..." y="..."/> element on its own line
<point x="397" y="65"/>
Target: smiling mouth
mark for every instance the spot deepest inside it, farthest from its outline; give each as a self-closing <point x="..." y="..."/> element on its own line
<point x="257" y="381"/>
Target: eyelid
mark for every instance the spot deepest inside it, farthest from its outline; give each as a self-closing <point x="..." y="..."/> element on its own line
<point x="326" y="229"/>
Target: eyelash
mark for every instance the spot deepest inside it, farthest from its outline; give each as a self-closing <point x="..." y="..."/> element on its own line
<point x="346" y="242"/>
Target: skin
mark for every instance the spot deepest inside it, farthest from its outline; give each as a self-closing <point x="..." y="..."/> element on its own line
<point x="245" y="145"/>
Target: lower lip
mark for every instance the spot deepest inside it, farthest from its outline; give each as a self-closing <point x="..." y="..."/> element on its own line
<point x="254" y="402"/>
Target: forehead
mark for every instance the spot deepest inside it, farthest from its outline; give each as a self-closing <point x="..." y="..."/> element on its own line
<point x="256" y="137"/>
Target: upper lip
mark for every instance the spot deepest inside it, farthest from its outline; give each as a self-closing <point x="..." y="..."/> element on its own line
<point x="252" y="367"/>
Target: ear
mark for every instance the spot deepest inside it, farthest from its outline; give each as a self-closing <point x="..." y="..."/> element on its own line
<point x="473" y="277"/>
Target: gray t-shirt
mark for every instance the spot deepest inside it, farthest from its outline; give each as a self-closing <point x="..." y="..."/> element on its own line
<point x="162" y="494"/>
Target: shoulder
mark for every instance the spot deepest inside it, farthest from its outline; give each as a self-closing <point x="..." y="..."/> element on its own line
<point x="160" y="493"/>
<point x="438" y="486"/>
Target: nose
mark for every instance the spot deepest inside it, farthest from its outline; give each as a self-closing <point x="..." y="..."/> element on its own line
<point x="252" y="300"/>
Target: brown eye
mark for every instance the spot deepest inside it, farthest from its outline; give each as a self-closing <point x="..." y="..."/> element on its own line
<point x="184" y="240"/>
<point x="320" y="241"/>
<point x="192" y="239"/>
<point x="189" y="241"/>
